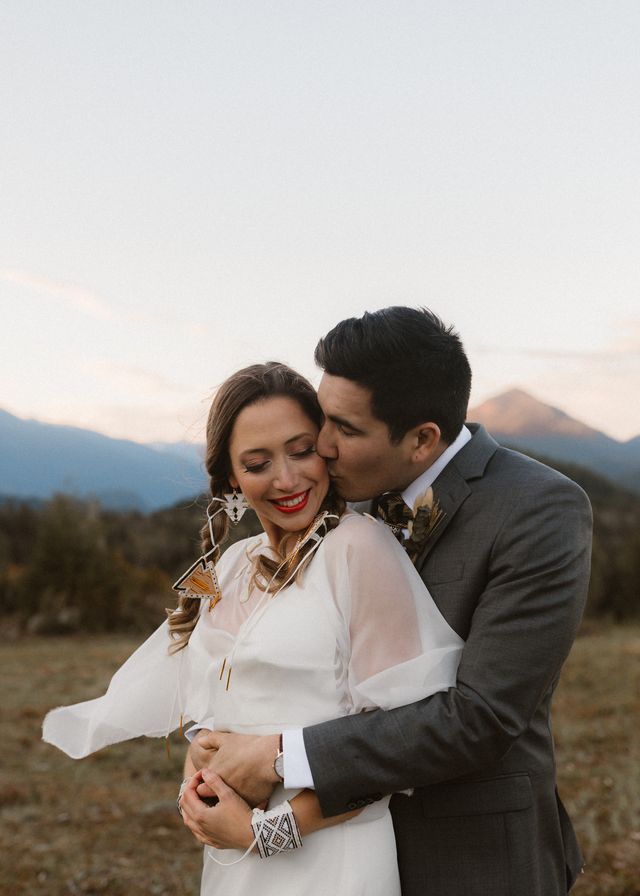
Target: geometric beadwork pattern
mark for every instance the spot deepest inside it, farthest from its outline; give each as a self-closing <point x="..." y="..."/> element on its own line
<point x="200" y="581"/>
<point x="234" y="506"/>
<point x="276" y="831"/>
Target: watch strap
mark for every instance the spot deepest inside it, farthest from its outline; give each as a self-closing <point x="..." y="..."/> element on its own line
<point x="278" y="762"/>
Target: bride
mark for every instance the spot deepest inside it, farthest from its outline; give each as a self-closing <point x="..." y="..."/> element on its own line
<point x="320" y="615"/>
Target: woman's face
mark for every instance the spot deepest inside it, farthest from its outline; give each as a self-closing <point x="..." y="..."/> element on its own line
<point x="274" y="463"/>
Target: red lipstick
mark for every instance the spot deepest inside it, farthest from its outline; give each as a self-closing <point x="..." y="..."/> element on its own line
<point x="300" y="501"/>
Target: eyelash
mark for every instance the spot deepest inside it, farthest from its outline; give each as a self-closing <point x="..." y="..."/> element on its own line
<point x="257" y="468"/>
<point x="345" y="432"/>
<point x="305" y="452"/>
<point x="299" y="455"/>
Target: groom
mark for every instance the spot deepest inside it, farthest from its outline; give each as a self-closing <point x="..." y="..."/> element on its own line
<point x="506" y="560"/>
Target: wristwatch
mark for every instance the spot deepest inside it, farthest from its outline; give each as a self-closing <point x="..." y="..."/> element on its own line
<point x="278" y="762"/>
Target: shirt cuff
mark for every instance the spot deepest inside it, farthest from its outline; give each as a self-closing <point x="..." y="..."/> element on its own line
<point x="190" y="733"/>
<point x="297" y="771"/>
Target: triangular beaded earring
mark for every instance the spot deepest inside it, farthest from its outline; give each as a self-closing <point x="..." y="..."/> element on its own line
<point x="200" y="581"/>
<point x="234" y="505"/>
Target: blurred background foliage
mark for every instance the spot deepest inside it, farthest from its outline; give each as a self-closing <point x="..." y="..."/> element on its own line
<point x="68" y="565"/>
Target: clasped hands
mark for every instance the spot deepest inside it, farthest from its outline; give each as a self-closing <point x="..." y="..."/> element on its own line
<point x="238" y="770"/>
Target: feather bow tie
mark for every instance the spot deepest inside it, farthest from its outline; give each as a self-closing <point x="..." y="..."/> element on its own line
<point x="420" y="523"/>
<point x="394" y="512"/>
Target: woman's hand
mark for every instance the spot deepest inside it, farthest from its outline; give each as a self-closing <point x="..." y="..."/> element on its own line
<point x="227" y="825"/>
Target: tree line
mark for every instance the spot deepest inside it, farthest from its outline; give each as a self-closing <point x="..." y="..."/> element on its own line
<point x="68" y="565"/>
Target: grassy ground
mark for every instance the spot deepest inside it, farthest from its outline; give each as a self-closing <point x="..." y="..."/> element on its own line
<point x="597" y="725"/>
<point x="108" y="824"/>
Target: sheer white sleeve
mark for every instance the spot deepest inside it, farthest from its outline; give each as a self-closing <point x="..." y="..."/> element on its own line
<point x="143" y="698"/>
<point x="400" y="648"/>
<point x="154" y="691"/>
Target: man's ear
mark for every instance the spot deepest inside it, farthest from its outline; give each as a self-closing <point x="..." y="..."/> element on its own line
<point x="426" y="443"/>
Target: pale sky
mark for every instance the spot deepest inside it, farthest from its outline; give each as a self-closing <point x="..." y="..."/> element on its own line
<point x="189" y="186"/>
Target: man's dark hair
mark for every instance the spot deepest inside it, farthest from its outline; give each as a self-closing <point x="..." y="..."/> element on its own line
<point x="413" y="364"/>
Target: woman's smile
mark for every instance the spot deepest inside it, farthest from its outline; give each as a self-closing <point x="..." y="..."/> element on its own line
<point x="274" y="463"/>
<point x="292" y="503"/>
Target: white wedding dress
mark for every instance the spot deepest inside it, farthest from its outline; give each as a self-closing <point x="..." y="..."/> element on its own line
<point x="358" y="632"/>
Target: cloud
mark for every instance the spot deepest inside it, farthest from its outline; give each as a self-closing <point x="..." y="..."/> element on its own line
<point x="629" y="340"/>
<point x="76" y="297"/>
<point x="182" y="422"/>
<point x="95" y="306"/>
<point x="136" y="380"/>
<point x="629" y="348"/>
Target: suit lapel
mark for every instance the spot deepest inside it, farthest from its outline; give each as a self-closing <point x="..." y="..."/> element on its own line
<point x="451" y="488"/>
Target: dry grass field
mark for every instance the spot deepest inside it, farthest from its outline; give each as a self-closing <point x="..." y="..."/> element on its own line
<point x="597" y="733"/>
<point x="108" y="824"/>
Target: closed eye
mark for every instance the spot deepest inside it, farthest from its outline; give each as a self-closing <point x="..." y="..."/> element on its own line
<point x="256" y="468"/>
<point x="305" y="452"/>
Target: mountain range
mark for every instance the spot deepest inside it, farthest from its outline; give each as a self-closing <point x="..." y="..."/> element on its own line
<point x="519" y="420"/>
<point x="39" y="459"/>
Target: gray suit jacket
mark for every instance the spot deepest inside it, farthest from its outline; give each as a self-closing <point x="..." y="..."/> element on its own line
<point x="508" y="568"/>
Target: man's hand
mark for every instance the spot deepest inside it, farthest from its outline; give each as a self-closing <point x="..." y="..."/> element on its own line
<point x="245" y="762"/>
<point x="201" y="750"/>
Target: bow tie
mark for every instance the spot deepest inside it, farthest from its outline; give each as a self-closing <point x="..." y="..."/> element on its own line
<point x="394" y="512"/>
<point x="398" y="516"/>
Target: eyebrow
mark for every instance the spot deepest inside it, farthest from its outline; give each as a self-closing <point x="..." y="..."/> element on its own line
<point x="344" y="422"/>
<point x="295" y="438"/>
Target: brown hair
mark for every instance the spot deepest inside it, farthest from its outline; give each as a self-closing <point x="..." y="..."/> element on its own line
<point x="243" y="388"/>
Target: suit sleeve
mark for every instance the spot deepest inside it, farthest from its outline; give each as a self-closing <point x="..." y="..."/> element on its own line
<point x="522" y="629"/>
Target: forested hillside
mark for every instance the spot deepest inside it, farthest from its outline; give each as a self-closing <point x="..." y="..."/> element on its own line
<point x="68" y="565"/>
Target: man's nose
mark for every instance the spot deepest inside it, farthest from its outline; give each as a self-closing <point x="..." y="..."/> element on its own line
<point x="325" y="445"/>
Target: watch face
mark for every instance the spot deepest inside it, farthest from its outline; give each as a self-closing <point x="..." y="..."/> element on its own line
<point x="279" y="765"/>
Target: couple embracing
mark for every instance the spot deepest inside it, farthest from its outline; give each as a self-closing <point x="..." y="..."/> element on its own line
<point x="408" y="643"/>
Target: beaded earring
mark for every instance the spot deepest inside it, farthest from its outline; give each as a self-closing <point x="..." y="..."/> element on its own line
<point x="200" y="581"/>
<point x="234" y="505"/>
